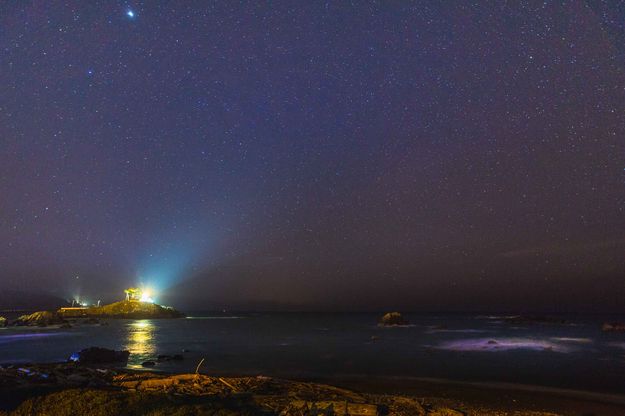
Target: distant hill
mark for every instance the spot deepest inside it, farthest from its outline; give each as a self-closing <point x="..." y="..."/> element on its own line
<point x="16" y="300"/>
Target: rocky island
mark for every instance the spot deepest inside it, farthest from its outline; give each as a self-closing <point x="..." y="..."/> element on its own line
<point x="393" y="319"/>
<point x="41" y="318"/>
<point x="613" y="327"/>
<point x="125" y="309"/>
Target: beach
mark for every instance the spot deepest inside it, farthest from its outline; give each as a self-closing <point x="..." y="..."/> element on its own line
<point x="472" y="364"/>
<point x="70" y="389"/>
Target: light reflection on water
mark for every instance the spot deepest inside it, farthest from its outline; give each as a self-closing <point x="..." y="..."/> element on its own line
<point x="504" y="344"/>
<point x="466" y="348"/>
<point x="140" y="342"/>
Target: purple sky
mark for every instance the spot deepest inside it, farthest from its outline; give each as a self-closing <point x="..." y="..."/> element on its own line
<point x="315" y="155"/>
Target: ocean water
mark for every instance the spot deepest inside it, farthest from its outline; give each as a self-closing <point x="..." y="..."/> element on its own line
<point x="474" y="348"/>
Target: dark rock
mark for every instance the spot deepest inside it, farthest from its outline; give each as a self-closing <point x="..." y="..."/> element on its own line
<point x="492" y="342"/>
<point x="42" y="318"/>
<point x="165" y="357"/>
<point x="66" y="325"/>
<point x="393" y="319"/>
<point x="613" y="327"/>
<point x="97" y="355"/>
<point x="148" y="364"/>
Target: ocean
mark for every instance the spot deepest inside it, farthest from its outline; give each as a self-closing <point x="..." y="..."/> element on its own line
<point x="470" y="348"/>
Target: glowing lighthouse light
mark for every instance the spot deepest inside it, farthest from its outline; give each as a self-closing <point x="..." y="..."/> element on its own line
<point x="146" y="296"/>
<point x="135" y="294"/>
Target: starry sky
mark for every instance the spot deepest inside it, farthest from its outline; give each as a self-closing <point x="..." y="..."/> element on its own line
<point x="316" y="155"/>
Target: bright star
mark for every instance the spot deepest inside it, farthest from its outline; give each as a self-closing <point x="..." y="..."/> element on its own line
<point x="130" y="14"/>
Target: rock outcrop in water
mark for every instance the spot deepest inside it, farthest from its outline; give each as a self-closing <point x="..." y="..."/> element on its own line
<point x="41" y="318"/>
<point x="128" y="309"/>
<point x="613" y="327"/>
<point x="393" y="319"/>
<point x="97" y="355"/>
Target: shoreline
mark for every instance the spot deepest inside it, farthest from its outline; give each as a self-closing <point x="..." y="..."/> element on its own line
<point x="405" y="383"/>
<point x="611" y="398"/>
<point x="39" y="386"/>
<point x="508" y="397"/>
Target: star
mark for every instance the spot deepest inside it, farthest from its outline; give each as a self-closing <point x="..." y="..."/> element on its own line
<point x="421" y="156"/>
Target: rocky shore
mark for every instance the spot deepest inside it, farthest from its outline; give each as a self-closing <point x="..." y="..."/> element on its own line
<point x="41" y="318"/>
<point x="613" y="327"/>
<point x="126" y="309"/>
<point x="72" y="389"/>
<point x="95" y="381"/>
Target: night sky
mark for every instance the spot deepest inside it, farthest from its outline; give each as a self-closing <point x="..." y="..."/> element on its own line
<point x="316" y="155"/>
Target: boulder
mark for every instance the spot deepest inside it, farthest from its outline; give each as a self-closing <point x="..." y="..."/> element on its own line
<point x="393" y="319"/>
<point x="148" y="364"/>
<point x="613" y="327"/>
<point x="42" y="318"/>
<point x="97" y="355"/>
